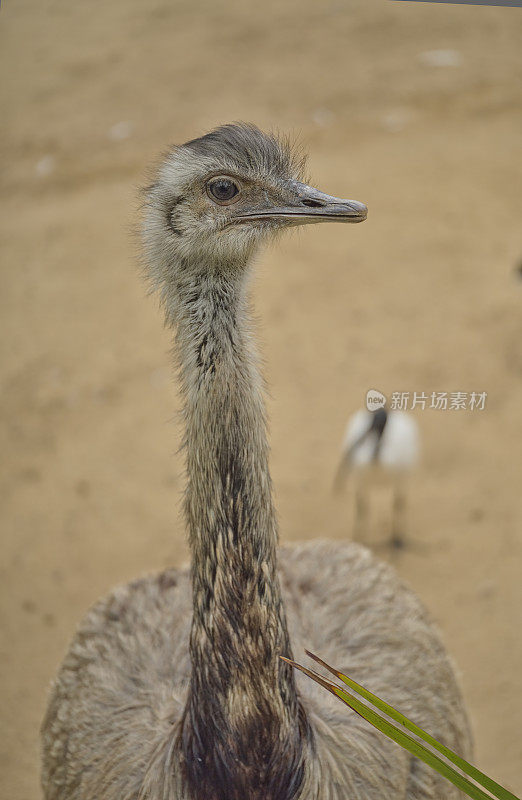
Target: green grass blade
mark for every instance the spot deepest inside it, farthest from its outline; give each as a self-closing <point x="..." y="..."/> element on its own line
<point x="488" y="783"/>
<point x="398" y="736"/>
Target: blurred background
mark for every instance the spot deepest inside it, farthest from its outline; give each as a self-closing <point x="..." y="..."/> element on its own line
<point x="413" y="108"/>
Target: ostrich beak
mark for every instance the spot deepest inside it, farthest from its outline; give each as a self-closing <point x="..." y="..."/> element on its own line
<point x="304" y="204"/>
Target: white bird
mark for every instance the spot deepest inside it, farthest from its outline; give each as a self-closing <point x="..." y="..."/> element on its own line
<point x="379" y="447"/>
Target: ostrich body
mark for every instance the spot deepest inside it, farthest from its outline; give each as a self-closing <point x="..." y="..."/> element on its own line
<point x="173" y="688"/>
<point x="379" y="448"/>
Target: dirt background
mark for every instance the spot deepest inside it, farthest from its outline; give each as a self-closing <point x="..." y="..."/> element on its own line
<point x="425" y="296"/>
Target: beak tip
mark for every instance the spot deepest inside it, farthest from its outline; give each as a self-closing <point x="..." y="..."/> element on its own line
<point x="361" y="210"/>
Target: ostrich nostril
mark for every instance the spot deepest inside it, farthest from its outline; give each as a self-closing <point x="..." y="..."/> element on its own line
<point x="313" y="203"/>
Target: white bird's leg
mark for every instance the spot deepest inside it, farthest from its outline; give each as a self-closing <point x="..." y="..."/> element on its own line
<point x="398" y="525"/>
<point x="361" y="513"/>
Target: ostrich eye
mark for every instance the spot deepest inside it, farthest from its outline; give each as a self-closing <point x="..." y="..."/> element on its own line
<point x="224" y="190"/>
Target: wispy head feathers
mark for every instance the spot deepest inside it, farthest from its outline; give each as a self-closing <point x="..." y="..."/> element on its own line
<point x="247" y="149"/>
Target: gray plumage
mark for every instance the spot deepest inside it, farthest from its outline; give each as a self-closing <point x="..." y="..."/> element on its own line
<point x="172" y="688"/>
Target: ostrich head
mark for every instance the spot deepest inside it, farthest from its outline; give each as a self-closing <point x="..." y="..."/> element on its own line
<point x="216" y="198"/>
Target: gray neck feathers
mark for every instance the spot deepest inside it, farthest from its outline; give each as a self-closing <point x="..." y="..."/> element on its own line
<point x="243" y="728"/>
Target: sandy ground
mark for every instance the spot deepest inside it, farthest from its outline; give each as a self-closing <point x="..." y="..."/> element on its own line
<point x="425" y="296"/>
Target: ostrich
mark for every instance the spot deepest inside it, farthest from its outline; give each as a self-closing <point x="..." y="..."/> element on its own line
<point x="379" y="447"/>
<point x="173" y="688"/>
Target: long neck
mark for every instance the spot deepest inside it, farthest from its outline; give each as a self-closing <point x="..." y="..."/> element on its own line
<point x="243" y="725"/>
